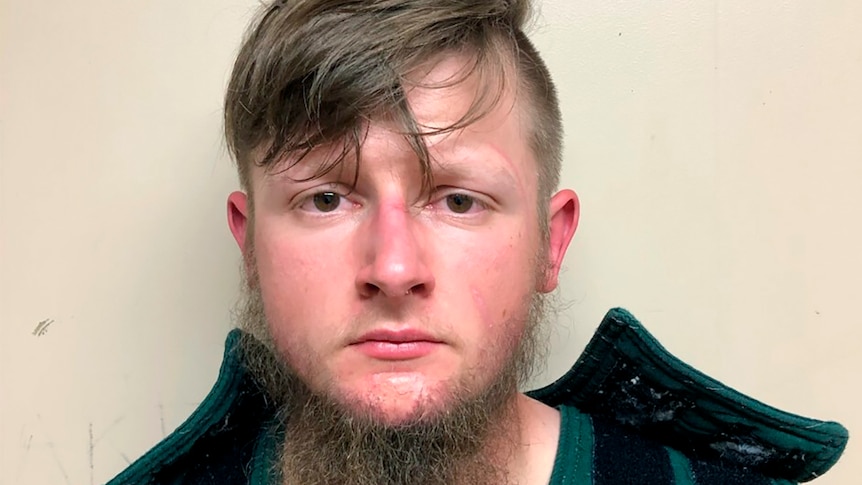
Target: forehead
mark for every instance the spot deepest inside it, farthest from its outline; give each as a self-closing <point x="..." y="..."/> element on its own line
<point x="453" y="87"/>
<point x="467" y="118"/>
<point x="482" y="105"/>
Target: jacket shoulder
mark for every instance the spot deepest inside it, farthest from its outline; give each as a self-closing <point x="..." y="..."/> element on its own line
<point x="625" y="378"/>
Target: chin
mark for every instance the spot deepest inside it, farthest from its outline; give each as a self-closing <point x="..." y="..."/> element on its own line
<point x="398" y="398"/>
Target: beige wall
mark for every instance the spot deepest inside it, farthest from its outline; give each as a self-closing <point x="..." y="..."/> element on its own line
<point x="716" y="146"/>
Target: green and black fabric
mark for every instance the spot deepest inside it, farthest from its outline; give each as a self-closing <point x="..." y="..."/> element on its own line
<point x="595" y="451"/>
<point x="626" y="377"/>
<point x="631" y="414"/>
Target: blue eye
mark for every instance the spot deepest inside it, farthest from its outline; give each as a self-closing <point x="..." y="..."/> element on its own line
<point x="326" y="201"/>
<point x="459" y="203"/>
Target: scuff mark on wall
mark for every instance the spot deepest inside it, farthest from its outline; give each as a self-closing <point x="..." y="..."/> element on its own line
<point x="92" y="445"/>
<point x="50" y="445"/>
<point x="162" y="418"/>
<point x="42" y="327"/>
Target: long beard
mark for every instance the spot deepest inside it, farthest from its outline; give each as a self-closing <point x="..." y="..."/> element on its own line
<point x="469" y="440"/>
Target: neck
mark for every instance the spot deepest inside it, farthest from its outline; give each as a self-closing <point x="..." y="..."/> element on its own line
<point x="539" y="432"/>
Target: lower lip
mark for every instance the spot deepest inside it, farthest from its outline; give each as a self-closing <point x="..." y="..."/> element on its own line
<point x="383" y="350"/>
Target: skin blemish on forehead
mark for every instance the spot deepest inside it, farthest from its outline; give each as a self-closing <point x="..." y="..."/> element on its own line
<point x="471" y="161"/>
<point x="469" y="152"/>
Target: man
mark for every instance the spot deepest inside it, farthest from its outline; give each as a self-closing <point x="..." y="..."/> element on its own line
<point x="400" y="225"/>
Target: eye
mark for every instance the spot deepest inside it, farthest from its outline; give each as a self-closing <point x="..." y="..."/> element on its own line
<point x="323" y="202"/>
<point x="460" y="203"/>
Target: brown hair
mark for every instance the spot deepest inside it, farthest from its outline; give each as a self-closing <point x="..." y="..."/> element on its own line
<point x="311" y="73"/>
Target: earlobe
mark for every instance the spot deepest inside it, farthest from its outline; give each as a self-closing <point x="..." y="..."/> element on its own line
<point x="563" y="214"/>
<point x="237" y="218"/>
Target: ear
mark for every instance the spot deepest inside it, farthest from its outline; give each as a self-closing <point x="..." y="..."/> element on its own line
<point x="563" y="215"/>
<point x="237" y="218"/>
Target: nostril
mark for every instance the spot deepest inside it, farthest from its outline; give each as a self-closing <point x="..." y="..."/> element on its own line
<point x="369" y="290"/>
<point x="417" y="290"/>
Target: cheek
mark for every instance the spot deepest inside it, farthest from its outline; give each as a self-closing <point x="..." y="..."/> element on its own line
<point x="294" y="286"/>
<point x="295" y="283"/>
<point x="499" y="286"/>
<point x="285" y="271"/>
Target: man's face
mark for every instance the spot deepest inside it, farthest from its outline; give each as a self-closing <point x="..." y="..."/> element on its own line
<point x="392" y="303"/>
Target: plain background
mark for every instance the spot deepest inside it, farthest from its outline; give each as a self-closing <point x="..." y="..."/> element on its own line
<point x="716" y="147"/>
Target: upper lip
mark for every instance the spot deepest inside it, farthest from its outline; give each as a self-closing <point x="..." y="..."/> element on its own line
<point x="396" y="336"/>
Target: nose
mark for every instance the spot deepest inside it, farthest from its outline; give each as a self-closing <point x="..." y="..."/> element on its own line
<point x="394" y="263"/>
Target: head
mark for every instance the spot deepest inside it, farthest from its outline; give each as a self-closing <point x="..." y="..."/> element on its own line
<point x="398" y="218"/>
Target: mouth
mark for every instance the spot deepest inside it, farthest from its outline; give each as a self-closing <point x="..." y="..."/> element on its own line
<point x="394" y="345"/>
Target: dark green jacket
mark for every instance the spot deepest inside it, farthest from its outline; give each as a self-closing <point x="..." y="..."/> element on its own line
<point x="632" y="414"/>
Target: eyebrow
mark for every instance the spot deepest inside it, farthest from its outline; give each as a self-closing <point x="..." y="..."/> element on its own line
<point x="473" y="161"/>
